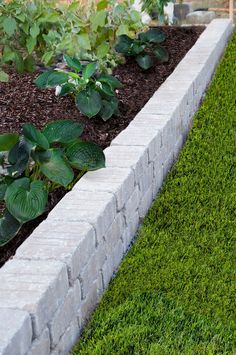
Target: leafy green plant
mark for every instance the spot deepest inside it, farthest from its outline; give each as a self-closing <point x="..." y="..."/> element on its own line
<point x="33" y="31"/>
<point x="144" y="47"/>
<point x="151" y="6"/>
<point x="94" y="93"/>
<point x="35" y="163"/>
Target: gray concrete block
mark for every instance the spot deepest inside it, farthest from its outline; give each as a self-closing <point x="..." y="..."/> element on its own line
<point x="31" y="286"/>
<point x="15" y="332"/>
<point x="41" y="345"/>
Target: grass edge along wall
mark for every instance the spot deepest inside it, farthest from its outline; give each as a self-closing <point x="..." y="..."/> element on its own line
<point x="173" y="293"/>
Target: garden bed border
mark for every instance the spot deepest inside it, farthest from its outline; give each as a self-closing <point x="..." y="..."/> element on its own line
<point x="51" y="286"/>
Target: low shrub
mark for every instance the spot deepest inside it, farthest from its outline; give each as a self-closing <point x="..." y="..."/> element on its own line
<point x="36" y="163"/>
<point x="94" y="93"/>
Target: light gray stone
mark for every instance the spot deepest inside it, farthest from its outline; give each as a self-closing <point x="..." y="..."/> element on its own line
<point x="132" y="157"/>
<point x="146" y="202"/>
<point x="117" y="181"/>
<point x="132" y="204"/>
<point x="95" y="206"/>
<point x="114" y="234"/>
<point x="68" y="339"/>
<point x="65" y="313"/>
<point x="31" y="286"/>
<point x="15" y="332"/>
<point x="41" y="345"/>
<point x="72" y="246"/>
<point x="200" y="17"/>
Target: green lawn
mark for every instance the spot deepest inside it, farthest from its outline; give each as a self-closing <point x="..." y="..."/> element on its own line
<point x="174" y="292"/>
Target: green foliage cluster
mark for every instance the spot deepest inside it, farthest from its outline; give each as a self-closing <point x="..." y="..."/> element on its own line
<point x="94" y="94"/>
<point x="175" y="291"/>
<point x="151" y="6"/>
<point x="34" y="31"/>
<point x="36" y="163"/>
<point x="144" y="47"/>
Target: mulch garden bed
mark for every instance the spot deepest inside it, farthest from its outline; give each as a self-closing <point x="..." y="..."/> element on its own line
<point x="21" y="102"/>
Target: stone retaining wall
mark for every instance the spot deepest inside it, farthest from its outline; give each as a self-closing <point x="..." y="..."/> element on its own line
<point x="50" y="287"/>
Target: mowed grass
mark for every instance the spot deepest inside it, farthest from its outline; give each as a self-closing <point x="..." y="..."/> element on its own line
<point x="175" y="291"/>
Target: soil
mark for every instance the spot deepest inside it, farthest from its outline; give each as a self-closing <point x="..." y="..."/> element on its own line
<point x="21" y="102"/>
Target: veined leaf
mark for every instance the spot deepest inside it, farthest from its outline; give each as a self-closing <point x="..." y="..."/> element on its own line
<point x="85" y="156"/>
<point x="9" y="227"/>
<point x="18" y="158"/>
<point x="144" y="61"/>
<point x="8" y="140"/>
<point x="9" y="25"/>
<point x="35" y="136"/>
<point x="73" y="63"/>
<point x="89" y="70"/>
<point x="89" y="102"/>
<point x="51" y="79"/>
<point x="153" y="35"/>
<point x="57" y="169"/>
<point x="63" y="131"/>
<point x="26" y="200"/>
<point x="109" y="107"/>
<point x="124" y="44"/>
<point x="161" y="54"/>
<point x="111" y="80"/>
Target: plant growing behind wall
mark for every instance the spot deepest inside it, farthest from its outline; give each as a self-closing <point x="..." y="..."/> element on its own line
<point x="35" y="163"/>
<point x="144" y="47"/>
<point x="94" y="93"/>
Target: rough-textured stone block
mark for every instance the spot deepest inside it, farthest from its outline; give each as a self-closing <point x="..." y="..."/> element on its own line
<point x="132" y="204"/>
<point x="117" y="181"/>
<point x="91" y="271"/>
<point x="132" y="225"/>
<point x="132" y="157"/>
<point x="15" y="332"/>
<point x="146" y="180"/>
<point x="114" y="233"/>
<point x="73" y="246"/>
<point x="41" y="345"/>
<point x="139" y="136"/>
<point x="145" y="203"/>
<point x="65" y="313"/>
<point x="68" y="339"/>
<point x="31" y="286"/>
<point x="96" y="207"/>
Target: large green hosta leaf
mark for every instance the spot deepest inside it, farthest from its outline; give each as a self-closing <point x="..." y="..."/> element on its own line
<point x="161" y="54"/>
<point x="153" y="35"/>
<point x="57" y="169"/>
<point x="9" y="227"/>
<point x="124" y="44"/>
<point x="26" y="200"/>
<point x="109" y="107"/>
<point x="73" y="63"/>
<point x="144" y="61"/>
<point x="85" y="156"/>
<point x="18" y="158"/>
<point x="51" y="79"/>
<point x="63" y="131"/>
<point x="110" y="80"/>
<point x="89" y="102"/>
<point x="8" y="140"/>
<point x="35" y="136"/>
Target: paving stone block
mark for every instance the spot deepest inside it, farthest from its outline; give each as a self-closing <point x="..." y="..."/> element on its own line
<point x="68" y="339"/>
<point x="89" y="303"/>
<point x="34" y="286"/>
<point x="71" y="243"/>
<point x="117" y="181"/>
<point x="41" y="345"/>
<point x="91" y="271"/>
<point x="118" y="253"/>
<point x="132" y="225"/>
<point x="114" y="234"/>
<point x="139" y="136"/>
<point x="133" y="157"/>
<point x="65" y="313"/>
<point x="158" y="177"/>
<point x="145" y="203"/>
<point x="156" y="106"/>
<point x="132" y="204"/>
<point x="96" y="207"/>
<point x="146" y="180"/>
<point x="15" y="332"/>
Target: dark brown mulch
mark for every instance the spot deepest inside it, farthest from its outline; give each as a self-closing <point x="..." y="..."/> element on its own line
<point x="21" y="102"/>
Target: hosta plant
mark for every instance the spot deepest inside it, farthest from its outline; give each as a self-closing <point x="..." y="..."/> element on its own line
<point x="94" y="93"/>
<point x="35" y="163"/>
<point x="144" y="47"/>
